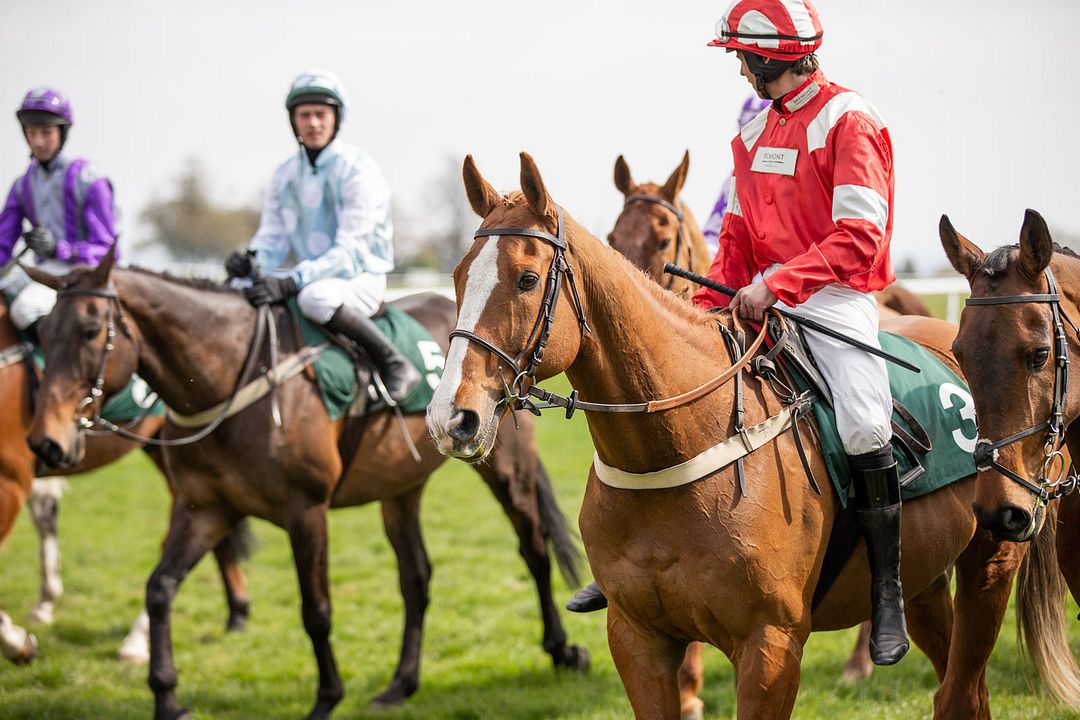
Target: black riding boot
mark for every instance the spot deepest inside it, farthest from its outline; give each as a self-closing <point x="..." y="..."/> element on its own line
<point x="588" y="599"/>
<point x="877" y="494"/>
<point x="397" y="373"/>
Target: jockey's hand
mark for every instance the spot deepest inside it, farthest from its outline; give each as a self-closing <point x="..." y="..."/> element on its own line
<point x="41" y="241"/>
<point x="239" y="264"/>
<point x="271" y="290"/>
<point x="752" y="301"/>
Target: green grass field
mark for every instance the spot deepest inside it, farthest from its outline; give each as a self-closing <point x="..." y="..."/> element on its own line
<point x="482" y="656"/>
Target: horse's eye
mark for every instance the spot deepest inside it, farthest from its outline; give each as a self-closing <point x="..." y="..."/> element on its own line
<point x="1039" y="357"/>
<point x="528" y="280"/>
<point x="91" y="333"/>
<point x="664" y="244"/>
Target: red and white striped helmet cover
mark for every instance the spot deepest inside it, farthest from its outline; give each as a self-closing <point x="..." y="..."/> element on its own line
<point x="779" y="29"/>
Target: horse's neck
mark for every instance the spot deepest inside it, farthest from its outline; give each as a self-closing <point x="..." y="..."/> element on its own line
<point x="193" y="342"/>
<point x="645" y="345"/>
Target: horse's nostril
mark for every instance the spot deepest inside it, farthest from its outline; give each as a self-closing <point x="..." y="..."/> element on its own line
<point x="48" y="451"/>
<point x="464" y="425"/>
<point x="1015" y="519"/>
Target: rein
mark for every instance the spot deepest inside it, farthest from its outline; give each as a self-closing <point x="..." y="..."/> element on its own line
<point x="114" y="316"/>
<point x="986" y="451"/>
<point x="677" y="211"/>
<point x="519" y="397"/>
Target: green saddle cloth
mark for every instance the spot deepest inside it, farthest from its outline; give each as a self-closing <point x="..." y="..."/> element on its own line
<point x="938" y="399"/>
<point x="337" y="377"/>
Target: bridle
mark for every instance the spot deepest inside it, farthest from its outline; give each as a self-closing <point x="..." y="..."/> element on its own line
<point x="519" y="393"/>
<point x="986" y="451"/>
<point x="94" y="399"/>
<point x="677" y="211"/>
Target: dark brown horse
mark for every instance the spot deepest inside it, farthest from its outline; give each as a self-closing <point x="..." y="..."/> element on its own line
<point x="289" y="475"/>
<point x="1018" y="344"/>
<point x="699" y="560"/>
<point x="17" y="470"/>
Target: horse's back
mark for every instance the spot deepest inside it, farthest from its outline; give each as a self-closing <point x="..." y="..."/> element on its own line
<point x="935" y="335"/>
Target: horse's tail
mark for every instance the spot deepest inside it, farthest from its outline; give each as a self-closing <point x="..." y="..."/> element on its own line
<point x="1041" y="628"/>
<point x="557" y="530"/>
<point x="241" y="540"/>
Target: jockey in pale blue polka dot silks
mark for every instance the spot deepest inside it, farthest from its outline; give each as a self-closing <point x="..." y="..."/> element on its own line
<point x="325" y="234"/>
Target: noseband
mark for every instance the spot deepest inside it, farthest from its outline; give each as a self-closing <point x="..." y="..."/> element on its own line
<point x="677" y="211"/>
<point x="986" y="451"/>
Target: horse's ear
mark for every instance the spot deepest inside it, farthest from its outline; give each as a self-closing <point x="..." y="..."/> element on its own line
<point x="1036" y="247"/>
<point x="964" y="255"/>
<point x="623" y="181"/>
<point x="674" y="183"/>
<point x="482" y="197"/>
<point x="41" y="277"/>
<point x="532" y="185"/>
<point x="100" y="275"/>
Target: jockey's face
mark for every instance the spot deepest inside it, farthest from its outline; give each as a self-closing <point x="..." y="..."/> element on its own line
<point x="44" y="141"/>
<point x="314" y="124"/>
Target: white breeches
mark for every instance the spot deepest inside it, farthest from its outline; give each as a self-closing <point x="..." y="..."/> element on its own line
<point x="321" y="299"/>
<point x="858" y="380"/>
<point x="32" y="301"/>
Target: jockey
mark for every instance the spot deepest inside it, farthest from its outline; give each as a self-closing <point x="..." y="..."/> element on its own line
<point x="69" y="207"/>
<point x="328" y="207"/>
<point x="711" y="229"/>
<point x="811" y="210"/>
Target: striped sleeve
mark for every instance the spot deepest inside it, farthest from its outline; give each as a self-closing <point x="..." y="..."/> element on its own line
<point x="861" y="210"/>
<point x="734" y="261"/>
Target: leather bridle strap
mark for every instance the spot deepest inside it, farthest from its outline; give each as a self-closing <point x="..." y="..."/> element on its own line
<point x="986" y="451"/>
<point x="677" y="211"/>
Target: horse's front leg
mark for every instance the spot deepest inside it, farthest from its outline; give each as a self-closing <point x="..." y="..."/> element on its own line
<point x="44" y="507"/>
<point x="192" y="532"/>
<point x="648" y="664"/>
<point x="307" y="532"/>
<point x="401" y="519"/>
<point x="767" y="665"/>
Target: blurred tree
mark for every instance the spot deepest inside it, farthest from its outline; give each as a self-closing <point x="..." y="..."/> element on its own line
<point x="439" y="236"/>
<point x="191" y="226"/>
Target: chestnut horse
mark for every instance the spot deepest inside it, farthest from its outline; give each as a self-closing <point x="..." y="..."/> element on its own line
<point x="17" y="471"/>
<point x="288" y="474"/>
<point x="697" y="561"/>
<point x="1016" y="337"/>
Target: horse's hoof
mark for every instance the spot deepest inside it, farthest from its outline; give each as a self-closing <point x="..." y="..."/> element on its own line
<point x="391" y="697"/>
<point x="28" y="652"/>
<point x="574" y="658"/>
<point x="856" y="673"/>
<point x="42" y="614"/>
<point x="135" y="650"/>
<point x="695" y="711"/>
<point x="237" y="623"/>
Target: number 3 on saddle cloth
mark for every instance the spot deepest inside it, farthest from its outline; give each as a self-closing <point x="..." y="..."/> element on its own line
<point x="934" y="434"/>
<point x="133" y="403"/>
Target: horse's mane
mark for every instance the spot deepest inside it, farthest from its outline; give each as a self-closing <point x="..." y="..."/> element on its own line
<point x="195" y="283"/>
<point x="998" y="261"/>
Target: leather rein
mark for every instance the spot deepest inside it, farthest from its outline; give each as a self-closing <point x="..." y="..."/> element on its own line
<point x="986" y="451"/>
<point x="94" y="399"/>
<point x="519" y="393"/>
<point x="677" y="211"/>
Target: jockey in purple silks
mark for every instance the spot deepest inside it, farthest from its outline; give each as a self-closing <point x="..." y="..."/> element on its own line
<point x="711" y="229"/>
<point x="69" y="208"/>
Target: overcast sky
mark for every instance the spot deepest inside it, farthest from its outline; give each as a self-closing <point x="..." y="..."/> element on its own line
<point x="980" y="97"/>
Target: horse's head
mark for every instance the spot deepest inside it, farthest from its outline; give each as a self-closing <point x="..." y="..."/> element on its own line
<point x="508" y="285"/>
<point x="86" y="359"/>
<point x="649" y="231"/>
<point x="1011" y="338"/>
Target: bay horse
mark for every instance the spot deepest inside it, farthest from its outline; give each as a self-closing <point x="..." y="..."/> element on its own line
<point x="18" y="485"/>
<point x="1017" y="336"/>
<point x="289" y="475"/>
<point x="699" y="561"/>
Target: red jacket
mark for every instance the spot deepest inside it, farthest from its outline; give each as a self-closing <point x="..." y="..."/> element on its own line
<point x="813" y="191"/>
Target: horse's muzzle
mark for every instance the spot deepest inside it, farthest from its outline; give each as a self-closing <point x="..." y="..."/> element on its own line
<point x="52" y="454"/>
<point x="1008" y="522"/>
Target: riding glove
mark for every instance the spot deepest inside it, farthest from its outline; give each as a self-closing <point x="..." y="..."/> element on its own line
<point x="41" y="241"/>
<point x="271" y="290"/>
<point x="239" y="264"/>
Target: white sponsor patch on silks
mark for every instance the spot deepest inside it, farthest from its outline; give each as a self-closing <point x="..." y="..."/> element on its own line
<point x="752" y="130"/>
<point x="701" y="465"/>
<point x="776" y="161"/>
<point x="858" y="202"/>
<point x="805" y="95"/>
<point x="483" y="277"/>
<point x="817" y="132"/>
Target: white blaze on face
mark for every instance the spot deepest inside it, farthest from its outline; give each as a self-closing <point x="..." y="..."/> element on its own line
<point x="483" y="277"/>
